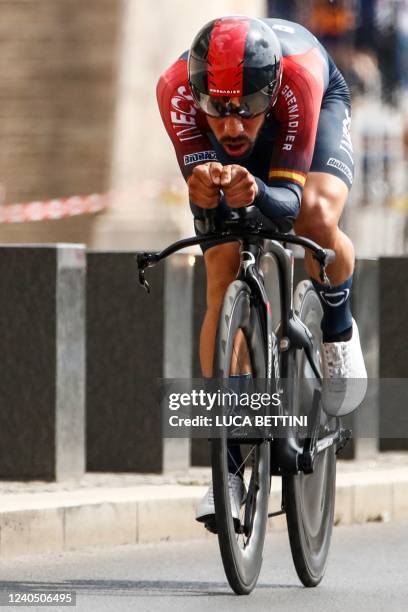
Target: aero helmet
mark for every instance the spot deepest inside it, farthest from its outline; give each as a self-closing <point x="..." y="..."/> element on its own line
<point x="235" y="58"/>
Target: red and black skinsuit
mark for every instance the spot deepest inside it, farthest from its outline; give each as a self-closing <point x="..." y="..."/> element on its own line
<point x="306" y="130"/>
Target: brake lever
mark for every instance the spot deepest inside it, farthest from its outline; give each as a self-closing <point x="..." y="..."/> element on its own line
<point x="145" y="260"/>
<point x="143" y="281"/>
<point x="323" y="276"/>
<point x="323" y="258"/>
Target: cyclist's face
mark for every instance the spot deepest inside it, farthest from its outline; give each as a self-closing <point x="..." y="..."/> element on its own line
<point x="236" y="134"/>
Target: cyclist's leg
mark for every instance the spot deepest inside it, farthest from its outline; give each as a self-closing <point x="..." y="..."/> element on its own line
<point x="324" y="198"/>
<point x="325" y="194"/>
<point x="323" y="202"/>
<point x="221" y="263"/>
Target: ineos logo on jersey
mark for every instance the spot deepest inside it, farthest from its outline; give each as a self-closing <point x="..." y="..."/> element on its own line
<point x="183" y="115"/>
<point x="335" y="299"/>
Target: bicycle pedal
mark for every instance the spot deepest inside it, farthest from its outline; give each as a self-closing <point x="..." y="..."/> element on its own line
<point x="211" y="525"/>
<point x="345" y="437"/>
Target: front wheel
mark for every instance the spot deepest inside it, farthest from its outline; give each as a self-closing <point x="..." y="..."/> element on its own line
<point x="241" y="541"/>
<point x="309" y="498"/>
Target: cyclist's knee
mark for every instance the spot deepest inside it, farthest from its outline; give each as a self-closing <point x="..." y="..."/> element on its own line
<point x="322" y="205"/>
<point x="221" y="263"/>
<point x="317" y="219"/>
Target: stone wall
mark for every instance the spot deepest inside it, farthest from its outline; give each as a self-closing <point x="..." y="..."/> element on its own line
<point x="57" y="90"/>
<point x="78" y="111"/>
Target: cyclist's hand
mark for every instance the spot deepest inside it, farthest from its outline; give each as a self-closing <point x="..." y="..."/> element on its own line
<point x="204" y="185"/>
<point x="239" y="186"/>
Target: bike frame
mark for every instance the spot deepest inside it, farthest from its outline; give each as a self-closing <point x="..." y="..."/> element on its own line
<point x="288" y="458"/>
<point x="294" y="335"/>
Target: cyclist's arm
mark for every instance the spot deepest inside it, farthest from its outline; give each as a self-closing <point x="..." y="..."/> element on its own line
<point x="297" y="113"/>
<point x="278" y="201"/>
<point x="184" y="123"/>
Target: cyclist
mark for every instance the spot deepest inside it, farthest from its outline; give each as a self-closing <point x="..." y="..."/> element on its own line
<point x="259" y="115"/>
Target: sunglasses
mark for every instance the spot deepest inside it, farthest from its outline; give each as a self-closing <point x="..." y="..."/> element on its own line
<point x="249" y="106"/>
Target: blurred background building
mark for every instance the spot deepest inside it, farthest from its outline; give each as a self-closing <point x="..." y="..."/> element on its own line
<point x="368" y="39"/>
<point x="78" y="112"/>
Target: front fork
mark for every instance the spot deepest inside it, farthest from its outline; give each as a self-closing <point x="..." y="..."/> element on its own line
<point x="249" y="272"/>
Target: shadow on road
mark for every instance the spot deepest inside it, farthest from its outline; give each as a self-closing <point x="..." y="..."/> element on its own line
<point x="168" y="588"/>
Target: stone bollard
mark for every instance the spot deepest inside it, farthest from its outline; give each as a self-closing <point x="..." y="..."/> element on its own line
<point x="42" y="389"/>
<point x="365" y="307"/>
<point x="393" y="362"/>
<point x="135" y="338"/>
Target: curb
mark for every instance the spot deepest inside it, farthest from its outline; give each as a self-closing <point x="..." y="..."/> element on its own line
<point x="72" y="520"/>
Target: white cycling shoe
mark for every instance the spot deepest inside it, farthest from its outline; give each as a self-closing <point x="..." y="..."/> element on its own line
<point x="345" y="375"/>
<point x="206" y="510"/>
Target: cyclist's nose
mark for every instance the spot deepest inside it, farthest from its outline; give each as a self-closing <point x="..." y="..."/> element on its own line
<point x="233" y="126"/>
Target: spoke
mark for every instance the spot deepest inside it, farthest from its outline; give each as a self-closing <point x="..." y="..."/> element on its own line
<point x="240" y="364"/>
<point x="243" y="461"/>
<point x="241" y="536"/>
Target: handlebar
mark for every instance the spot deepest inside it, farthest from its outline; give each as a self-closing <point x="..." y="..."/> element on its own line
<point x="231" y="231"/>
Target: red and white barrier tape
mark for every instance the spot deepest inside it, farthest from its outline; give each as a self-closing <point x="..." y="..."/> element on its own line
<point x="173" y="190"/>
<point x="59" y="208"/>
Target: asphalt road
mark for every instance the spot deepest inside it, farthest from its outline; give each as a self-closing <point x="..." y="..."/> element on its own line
<point x="368" y="570"/>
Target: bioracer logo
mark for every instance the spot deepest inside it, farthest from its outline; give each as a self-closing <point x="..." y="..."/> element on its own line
<point x="199" y="156"/>
<point x="342" y="167"/>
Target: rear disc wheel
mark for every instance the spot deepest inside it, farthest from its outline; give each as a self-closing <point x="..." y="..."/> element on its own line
<point x="309" y="498"/>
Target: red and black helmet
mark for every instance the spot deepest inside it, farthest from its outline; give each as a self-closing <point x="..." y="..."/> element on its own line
<point x="235" y="66"/>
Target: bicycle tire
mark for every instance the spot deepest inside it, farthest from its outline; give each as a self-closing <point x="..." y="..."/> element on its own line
<point x="309" y="498"/>
<point x="241" y="565"/>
